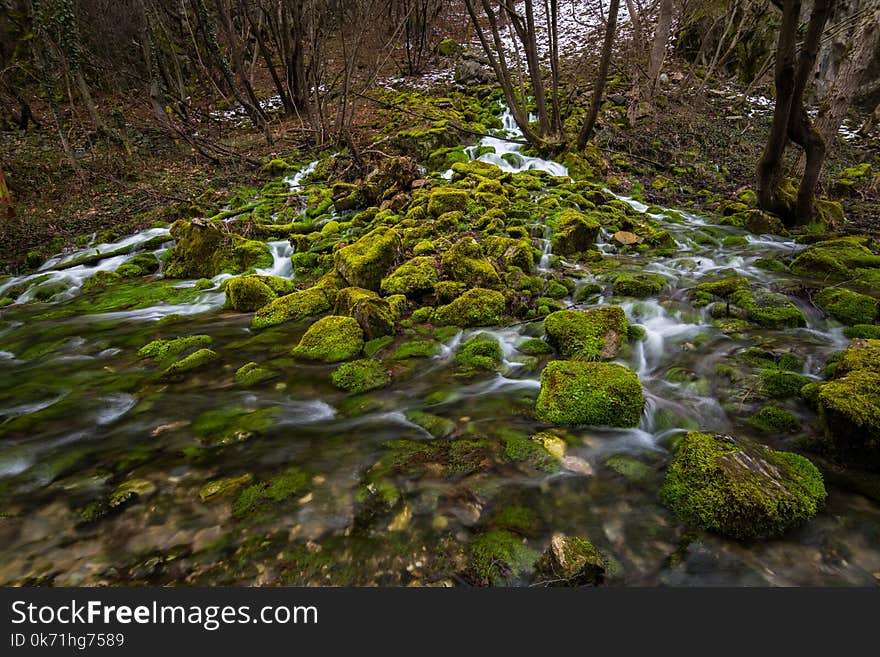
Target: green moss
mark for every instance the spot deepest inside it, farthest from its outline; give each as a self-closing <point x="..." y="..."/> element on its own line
<point x="261" y="497"/>
<point x="780" y="384"/>
<point x="372" y="313"/>
<point x="466" y="263"/>
<point x="414" y="278"/>
<point x="447" y="291"/>
<point x="725" y="287"/>
<point x="476" y="307"/>
<point x="416" y="349"/>
<point x="861" y="355"/>
<point x="162" y="349"/>
<point x="521" y="448"/>
<point x="498" y="556"/>
<point x="835" y="260"/>
<point x="366" y="262"/>
<point x="204" y="249"/>
<point x="196" y="360"/>
<point x="330" y="340"/>
<point x="534" y="347"/>
<point x="630" y="468"/>
<point x="235" y="424"/>
<point x="638" y="285"/>
<point x="131" y="491"/>
<point x="437" y="426"/>
<point x="511" y="252"/>
<point x="849" y="412"/>
<point x="443" y="200"/>
<point x="604" y="394"/>
<point x="769" y="309"/>
<point x="573" y="232"/>
<point x="360" y="376"/>
<point x="571" y="561"/>
<point x="141" y="265"/>
<point x="864" y="331"/>
<point x="292" y="307"/>
<point x="372" y="347"/>
<point x="847" y="306"/>
<point x="220" y="488"/>
<point x="739" y="488"/>
<point x="772" y="419"/>
<point x="248" y="293"/>
<point x="481" y="352"/>
<point x="251" y="374"/>
<point x="587" y="334"/>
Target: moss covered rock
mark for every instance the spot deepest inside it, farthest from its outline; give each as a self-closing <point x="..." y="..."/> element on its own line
<point x="602" y="394"/>
<point x="250" y="374"/>
<point x="331" y="339"/>
<point x="769" y="309"/>
<point x="740" y="488"/>
<point x="204" y="249"/>
<point x="360" y="375"/>
<point x="162" y="349"/>
<point x="570" y="561"/>
<point x="443" y="200"/>
<point x="638" y="285"/>
<point x="366" y="262"/>
<point x="414" y="278"/>
<point x="476" y="307"/>
<point x="835" y="260"/>
<point x="510" y="252"/>
<point x="373" y="314"/>
<point x="587" y="334"/>
<point x="196" y="360"/>
<point x="481" y="352"/>
<point x="499" y="556"/>
<point x="465" y="262"/>
<point x="292" y="307"/>
<point x="573" y="232"/>
<point x="248" y="293"/>
<point x="847" y="306"/>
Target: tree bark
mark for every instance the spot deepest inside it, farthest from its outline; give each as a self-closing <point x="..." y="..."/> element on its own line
<point x="599" y="87"/>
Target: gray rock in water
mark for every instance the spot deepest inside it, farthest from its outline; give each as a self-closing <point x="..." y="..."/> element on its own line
<point x="570" y="561"/>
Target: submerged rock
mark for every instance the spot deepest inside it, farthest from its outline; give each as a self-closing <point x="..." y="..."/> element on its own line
<point x="740" y="488"/>
<point x="331" y="339"/>
<point x="602" y="394"/>
<point x="835" y="260"/>
<point x="360" y="376"/>
<point x="570" y="561"/>
<point x="587" y="334"/>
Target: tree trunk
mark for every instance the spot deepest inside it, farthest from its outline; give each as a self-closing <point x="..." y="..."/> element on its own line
<point x="599" y="87"/>
<point x="644" y="91"/>
<point x="7" y="210"/>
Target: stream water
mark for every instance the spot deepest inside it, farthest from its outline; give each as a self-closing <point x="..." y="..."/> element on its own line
<point x="78" y="419"/>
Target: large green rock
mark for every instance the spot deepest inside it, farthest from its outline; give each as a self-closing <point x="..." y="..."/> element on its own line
<point x="291" y="307"/>
<point x="740" y="488"/>
<point x="366" y="262"/>
<point x="847" y="306"/>
<point x="573" y="232"/>
<point x="414" y="278"/>
<point x="465" y="262"/>
<point x="593" y="334"/>
<point x="331" y="339"/>
<point x="511" y="252"/>
<point x="769" y="309"/>
<point x="204" y="250"/>
<point x="445" y="200"/>
<point x="372" y="313"/>
<point x="835" y="260"/>
<point x="476" y="307"/>
<point x="601" y="394"/>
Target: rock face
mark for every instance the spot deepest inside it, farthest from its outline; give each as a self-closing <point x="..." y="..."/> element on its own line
<point x="601" y="394"/>
<point x="593" y="334"/>
<point x="570" y="561"/>
<point x="740" y="488"/>
<point x="366" y="262"/>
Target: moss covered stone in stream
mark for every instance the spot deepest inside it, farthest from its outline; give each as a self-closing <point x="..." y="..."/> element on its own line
<point x="466" y="263"/>
<point x="142" y="264"/>
<point x="231" y="425"/>
<point x="248" y="293"/>
<point x="226" y="487"/>
<point x="372" y="313"/>
<point x="130" y="491"/>
<point x="444" y="199"/>
<point x="740" y="488"/>
<point x="499" y="557"/>
<point x="570" y="561"/>
<point x="602" y="394"/>
<point x="292" y="307"/>
<point x="204" y="250"/>
<point x="196" y="360"/>
<point x="847" y="306"/>
<point x="769" y="309"/>
<point x="534" y="347"/>
<point x="772" y="419"/>
<point x="162" y="349"/>
<point x="723" y="288"/>
<point x="437" y="426"/>
<point x="511" y="252"/>
<point x="780" y="384"/>
<point x="573" y="232"/>
<point x="476" y="307"/>
<point x="481" y="352"/>
<point x="416" y="349"/>
<point x="331" y="339"/>
<point x="262" y="497"/>
<point x="251" y="374"/>
<point x="360" y="376"/>
<point x="638" y="285"/>
<point x="414" y="278"/>
<point x="366" y="262"/>
<point x="835" y="260"/>
<point x="863" y="331"/>
<point x="587" y="334"/>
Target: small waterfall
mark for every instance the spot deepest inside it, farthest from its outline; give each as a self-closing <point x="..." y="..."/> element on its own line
<point x="281" y="266"/>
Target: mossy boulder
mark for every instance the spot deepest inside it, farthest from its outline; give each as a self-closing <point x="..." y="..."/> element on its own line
<point x="602" y="394"/>
<point x="780" y="384"/>
<point x="414" y="278"/>
<point x="835" y="260"/>
<point x="594" y="334"/>
<point x="373" y="313"/>
<point x="196" y="360"/>
<point x="331" y="339"/>
<point x="510" y="252"/>
<point x="251" y="374"/>
<point x="466" y="263"/>
<point x="444" y="199"/>
<point x="769" y="309"/>
<point x="847" y="306"/>
<point x="573" y="232"/>
<point x="498" y="557"/>
<point x="638" y="285"/>
<point x="476" y="307"/>
<point x="739" y="488"/>
<point x="248" y="293"/>
<point x="162" y="349"/>
<point x="366" y="262"/>
<point x="481" y="352"/>
<point x="570" y="561"/>
<point x="204" y="249"/>
<point x="141" y="265"/>
<point x="291" y="307"/>
<point x="360" y="375"/>
<point x="724" y="287"/>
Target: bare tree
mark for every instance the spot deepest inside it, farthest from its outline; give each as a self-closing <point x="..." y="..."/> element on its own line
<point x="599" y="86"/>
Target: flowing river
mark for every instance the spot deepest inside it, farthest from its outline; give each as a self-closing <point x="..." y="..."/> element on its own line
<point x="78" y="420"/>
